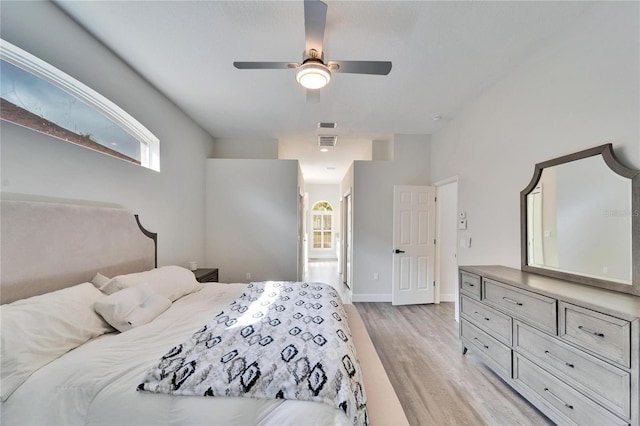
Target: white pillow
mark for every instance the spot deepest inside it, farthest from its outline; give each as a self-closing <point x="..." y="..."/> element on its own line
<point x="172" y="282"/>
<point x="131" y="307"/>
<point x="99" y="280"/>
<point x="37" y="330"/>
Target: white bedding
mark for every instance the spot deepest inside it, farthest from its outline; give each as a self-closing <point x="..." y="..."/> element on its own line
<point x="96" y="382"/>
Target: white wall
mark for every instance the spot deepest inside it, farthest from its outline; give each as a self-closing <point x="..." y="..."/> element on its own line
<point x="245" y="148"/>
<point x="170" y="202"/>
<point x="251" y="223"/>
<point x="580" y="91"/>
<point x="373" y="213"/>
<point x="331" y="194"/>
<point x="382" y="150"/>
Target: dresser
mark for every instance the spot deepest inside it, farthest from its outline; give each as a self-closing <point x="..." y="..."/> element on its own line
<point x="571" y="350"/>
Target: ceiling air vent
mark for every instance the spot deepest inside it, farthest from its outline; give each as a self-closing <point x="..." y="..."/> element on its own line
<point x="326" y="125"/>
<point x="326" y="141"/>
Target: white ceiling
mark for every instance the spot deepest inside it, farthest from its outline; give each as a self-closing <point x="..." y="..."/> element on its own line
<point x="444" y="54"/>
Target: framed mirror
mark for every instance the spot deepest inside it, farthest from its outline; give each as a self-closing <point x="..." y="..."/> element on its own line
<point x="580" y="220"/>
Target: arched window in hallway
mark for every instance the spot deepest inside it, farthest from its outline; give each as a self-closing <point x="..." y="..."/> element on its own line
<point x="322" y="215"/>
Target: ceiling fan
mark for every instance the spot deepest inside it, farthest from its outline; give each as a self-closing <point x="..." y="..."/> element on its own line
<point x="314" y="73"/>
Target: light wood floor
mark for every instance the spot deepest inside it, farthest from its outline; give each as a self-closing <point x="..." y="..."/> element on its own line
<point x="326" y="271"/>
<point x="419" y="348"/>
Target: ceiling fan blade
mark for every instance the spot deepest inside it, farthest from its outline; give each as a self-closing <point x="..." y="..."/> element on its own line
<point x="361" y="67"/>
<point x="315" y="19"/>
<point x="265" y="65"/>
<point x="313" y="96"/>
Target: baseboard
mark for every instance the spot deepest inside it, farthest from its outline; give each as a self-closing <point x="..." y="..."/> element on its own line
<point x="371" y="297"/>
<point x="448" y="297"/>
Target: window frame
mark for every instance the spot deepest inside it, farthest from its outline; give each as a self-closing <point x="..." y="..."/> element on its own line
<point x="322" y="230"/>
<point x="149" y="143"/>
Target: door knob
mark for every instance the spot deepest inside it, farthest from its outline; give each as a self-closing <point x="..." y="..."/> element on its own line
<point x="399" y="251"/>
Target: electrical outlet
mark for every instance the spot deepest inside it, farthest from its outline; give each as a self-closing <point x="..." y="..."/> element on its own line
<point x="248" y="276"/>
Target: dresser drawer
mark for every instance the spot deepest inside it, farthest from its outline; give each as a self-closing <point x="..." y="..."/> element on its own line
<point x="494" y="352"/>
<point x="604" y="334"/>
<point x="598" y="379"/>
<point x="495" y="323"/>
<point x="537" y="310"/>
<point x="470" y="284"/>
<point x="567" y="402"/>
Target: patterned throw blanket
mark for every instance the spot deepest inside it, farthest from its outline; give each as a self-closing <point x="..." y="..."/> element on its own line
<point x="278" y="340"/>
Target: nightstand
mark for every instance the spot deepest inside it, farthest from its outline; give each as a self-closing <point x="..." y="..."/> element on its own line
<point x="206" y="275"/>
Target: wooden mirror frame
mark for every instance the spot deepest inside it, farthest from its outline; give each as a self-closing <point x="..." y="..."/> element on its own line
<point x="617" y="167"/>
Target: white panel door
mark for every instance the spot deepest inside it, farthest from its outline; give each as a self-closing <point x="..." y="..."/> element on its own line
<point x="535" y="242"/>
<point x="414" y="244"/>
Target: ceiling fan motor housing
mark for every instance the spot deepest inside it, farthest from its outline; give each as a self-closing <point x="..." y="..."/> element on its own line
<point x="312" y="55"/>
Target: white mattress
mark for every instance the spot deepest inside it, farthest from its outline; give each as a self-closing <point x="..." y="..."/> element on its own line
<point x="96" y="382"/>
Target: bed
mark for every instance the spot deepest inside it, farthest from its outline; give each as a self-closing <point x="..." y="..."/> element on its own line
<point x="57" y="259"/>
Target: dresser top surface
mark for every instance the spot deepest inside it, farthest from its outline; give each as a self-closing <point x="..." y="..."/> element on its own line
<point x="606" y="301"/>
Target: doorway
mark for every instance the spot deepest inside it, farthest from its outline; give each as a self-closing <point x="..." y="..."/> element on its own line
<point x="347" y="239"/>
<point x="446" y="242"/>
<point x="325" y="221"/>
<point x="302" y="240"/>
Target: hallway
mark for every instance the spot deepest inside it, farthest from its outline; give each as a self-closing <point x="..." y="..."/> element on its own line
<point x="326" y="271"/>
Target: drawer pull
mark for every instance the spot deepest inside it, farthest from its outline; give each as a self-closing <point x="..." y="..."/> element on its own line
<point x="469" y="284"/>
<point x="485" y="346"/>
<point x="478" y="313"/>
<point x="515" y="302"/>
<point x="568" y="364"/>
<point x="586" y="330"/>
<point x="558" y="398"/>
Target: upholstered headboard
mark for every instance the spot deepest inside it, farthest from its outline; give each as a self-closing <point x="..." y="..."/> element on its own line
<point x="46" y="246"/>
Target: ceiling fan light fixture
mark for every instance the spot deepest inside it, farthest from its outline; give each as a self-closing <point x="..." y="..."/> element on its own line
<point x="313" y="75"/>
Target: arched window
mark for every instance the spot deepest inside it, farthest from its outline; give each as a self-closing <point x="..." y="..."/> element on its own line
<point x="38" y="96"/>
<point x="322" y="214"/>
